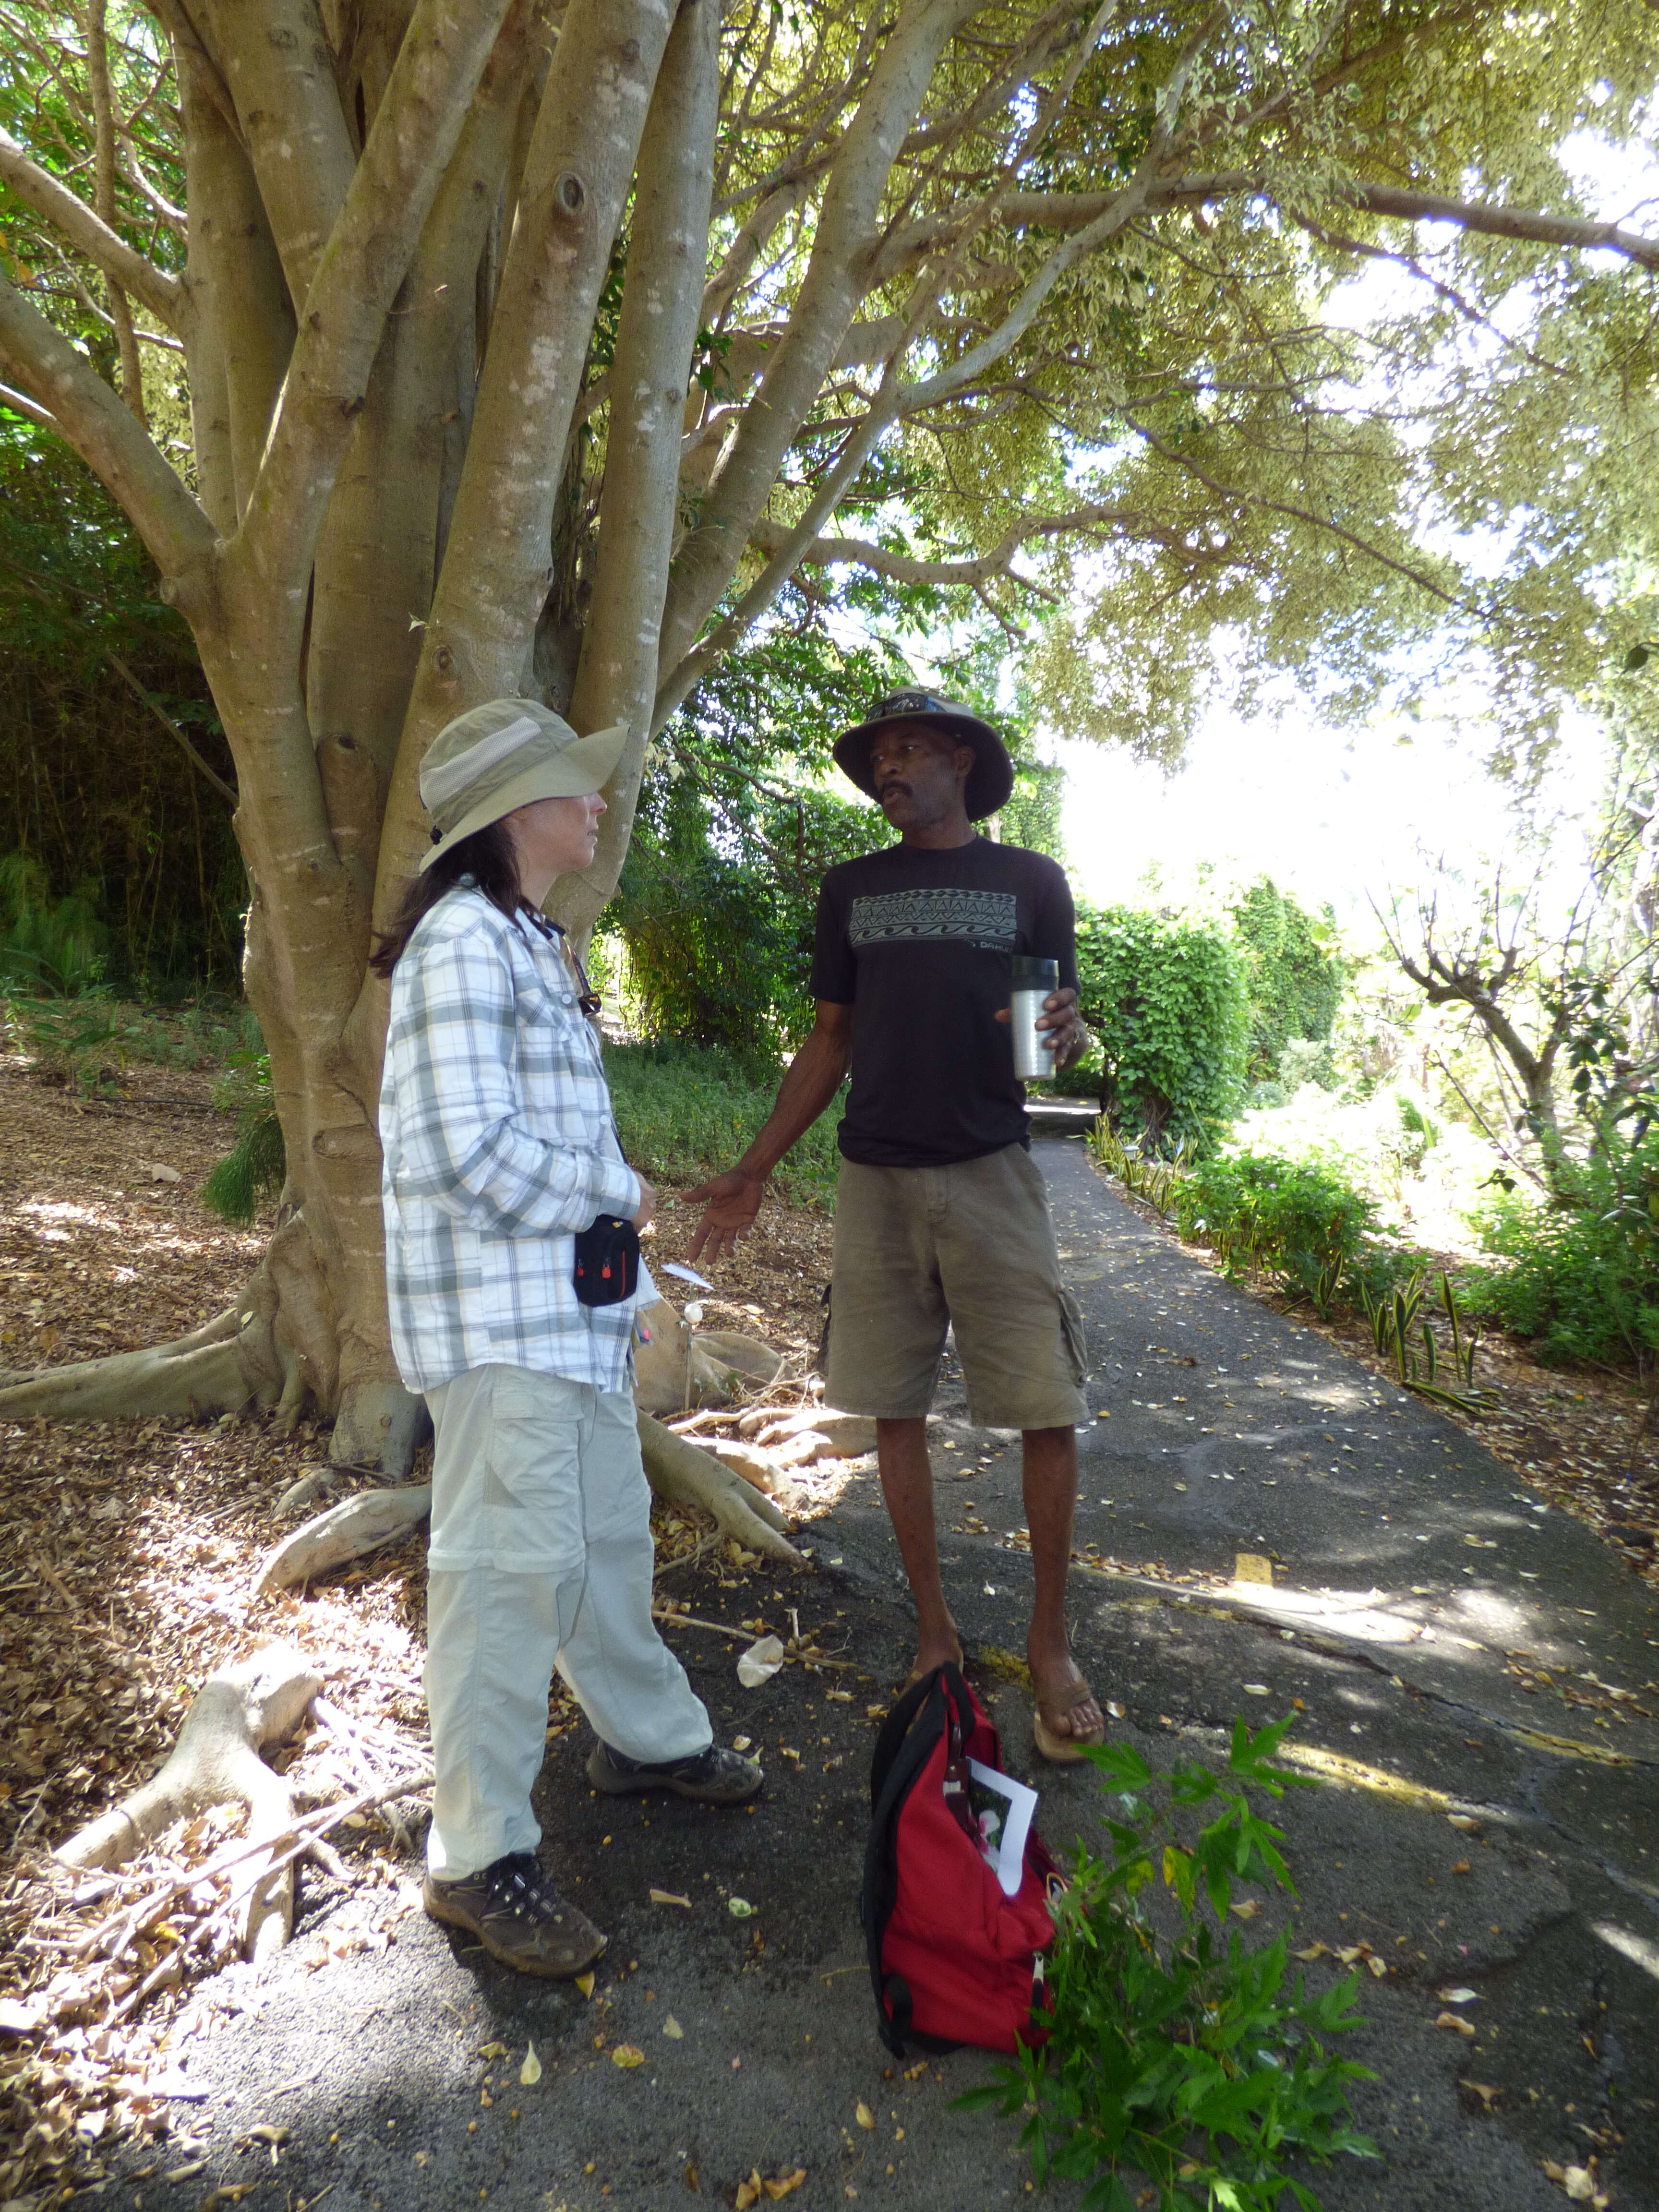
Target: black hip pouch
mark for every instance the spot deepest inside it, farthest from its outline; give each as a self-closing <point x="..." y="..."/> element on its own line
<point x="607" y="1261"/>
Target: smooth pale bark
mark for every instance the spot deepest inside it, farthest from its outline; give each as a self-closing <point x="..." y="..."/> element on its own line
<point x="662" y="296"/>
<point x="287" y="106"/>
<point x="579" y="167"/>
<point x="241" y="315"/>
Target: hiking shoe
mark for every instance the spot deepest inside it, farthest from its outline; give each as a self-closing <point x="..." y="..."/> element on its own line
<point x="518" y="1917"/>
<point x="714" y="1776"/>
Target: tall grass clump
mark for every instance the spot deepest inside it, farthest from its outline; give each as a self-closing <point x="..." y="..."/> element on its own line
<point x="685" y="1112"/>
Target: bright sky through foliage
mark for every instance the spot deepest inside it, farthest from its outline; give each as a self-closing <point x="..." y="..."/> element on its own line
<point x="1349" y="816"/>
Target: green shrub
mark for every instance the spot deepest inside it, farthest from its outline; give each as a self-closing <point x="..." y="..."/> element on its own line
<point x="50" y="947"/>
<point x="684" y="1112"/>
<point x="1294" y="976"/>
<point x="1167" y="1000"/>
<point x="1582" y="1283"/>
<point x="1304" y="1224"/>
<point x="1178" y="2059"/>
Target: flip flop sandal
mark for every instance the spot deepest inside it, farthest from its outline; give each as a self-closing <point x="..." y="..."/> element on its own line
<point x="1064" y="1750"/>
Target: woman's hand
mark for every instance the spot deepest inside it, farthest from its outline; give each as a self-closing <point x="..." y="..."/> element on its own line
<point x="647" y="1205"/>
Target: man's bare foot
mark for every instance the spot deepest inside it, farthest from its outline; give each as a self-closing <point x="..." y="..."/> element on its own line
<point x="933" y="1652"/>
<point x="1066" y="1713"/>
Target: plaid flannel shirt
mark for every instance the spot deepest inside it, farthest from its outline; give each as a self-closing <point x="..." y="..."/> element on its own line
<point x="499" y="1144"/>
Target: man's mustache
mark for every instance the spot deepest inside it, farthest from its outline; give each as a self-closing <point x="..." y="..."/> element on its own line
<point x="887" y="789"/>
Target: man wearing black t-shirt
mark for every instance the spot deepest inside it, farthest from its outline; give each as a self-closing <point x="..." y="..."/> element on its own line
<point x="941" y="1216"/>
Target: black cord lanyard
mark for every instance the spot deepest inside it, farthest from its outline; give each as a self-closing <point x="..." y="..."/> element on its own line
<point x="589" y="1000"/>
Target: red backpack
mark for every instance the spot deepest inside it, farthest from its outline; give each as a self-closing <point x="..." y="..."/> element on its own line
<point x="952" y="1959"/>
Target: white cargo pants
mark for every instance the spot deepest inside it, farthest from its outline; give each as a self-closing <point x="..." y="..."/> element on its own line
<point x="541" y="1557"/>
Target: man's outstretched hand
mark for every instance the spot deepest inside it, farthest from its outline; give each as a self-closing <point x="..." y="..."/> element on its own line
<point x="731" y="1201"/>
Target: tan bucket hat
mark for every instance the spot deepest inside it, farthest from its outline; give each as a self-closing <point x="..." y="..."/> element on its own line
<point x="504" y="754"/>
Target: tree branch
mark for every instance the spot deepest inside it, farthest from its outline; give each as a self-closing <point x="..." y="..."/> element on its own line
<point x="1238" y="495"/>
<point x="1072" y="211"/>
<point x="830" y="290"/>
<point x="975" y="568"/>
<point x="115" y="447"/>
<point x="103" y="116"/>
<point x="662" y="295"/>
<point x="281" y="76"/>
<point x="211" y="775"/>
<point x="496" y="571"/>
<point x="415" y="132"/>
<point x="88" y="234"/>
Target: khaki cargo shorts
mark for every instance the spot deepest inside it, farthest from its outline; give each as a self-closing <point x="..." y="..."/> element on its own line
<point x="919" y="1249"/>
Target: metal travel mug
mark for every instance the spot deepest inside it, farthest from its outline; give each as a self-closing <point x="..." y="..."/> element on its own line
<point x="1034" y="981"/>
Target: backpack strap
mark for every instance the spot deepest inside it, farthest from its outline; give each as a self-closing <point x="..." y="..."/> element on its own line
<point x="908" y="1736"/>
<point x="893" y="1731"/>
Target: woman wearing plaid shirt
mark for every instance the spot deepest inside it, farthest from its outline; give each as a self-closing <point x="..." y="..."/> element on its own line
<point x="500" y="1146"/>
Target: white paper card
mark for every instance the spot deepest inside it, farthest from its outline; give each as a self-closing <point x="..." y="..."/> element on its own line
<point x="1011" y="1844"/>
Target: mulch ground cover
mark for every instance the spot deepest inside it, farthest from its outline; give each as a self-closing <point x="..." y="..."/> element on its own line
<point x="127" y="1553"/>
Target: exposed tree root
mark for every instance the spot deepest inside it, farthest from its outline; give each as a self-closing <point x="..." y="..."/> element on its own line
<point x="239" y="1712"/>
<point x="275" y="1347"/>
<point x="677" y="1368"/>
<point x="682" y="1474"/>
<point x="345" y="1532"/>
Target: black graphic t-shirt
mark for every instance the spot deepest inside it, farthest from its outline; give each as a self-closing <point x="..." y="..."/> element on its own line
<point x="918" y="943"/>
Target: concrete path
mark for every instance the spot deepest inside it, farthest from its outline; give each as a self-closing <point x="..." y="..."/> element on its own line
<point x="1455" y="1650"/>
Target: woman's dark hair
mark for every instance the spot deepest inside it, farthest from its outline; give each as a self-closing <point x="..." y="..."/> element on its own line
<point x="488" y="857"/>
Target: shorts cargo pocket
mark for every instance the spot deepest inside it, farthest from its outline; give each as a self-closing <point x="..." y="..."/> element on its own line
<point x="1077" y="1342"/>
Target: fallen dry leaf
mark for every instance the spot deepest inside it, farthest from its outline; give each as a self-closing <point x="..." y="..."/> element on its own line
<point x="1466" y="1821"/>
<point x="584" y="1984"/>
<point x="863" y="2115"/>
<point x="1460" y="1995"/>
<point x="627" y="2055"/>
<point x="668" y="1897"/>
<point x="673" y="2030"/>
<point x="739" y="1908"/>
<point x="1461" y="1866"/>
<point x="749" y="2192"/>
<point x="784" y="2183"/>
<point x="531" y="2072"/>
<point x="1315" y="1950"/>
<point x="1487" y="2091"/>
<point x="492" y="2051"/>
<point x="1248" y="1911"/>
<point x="1463" y="2027"/>
<point x="760" y="1661"/>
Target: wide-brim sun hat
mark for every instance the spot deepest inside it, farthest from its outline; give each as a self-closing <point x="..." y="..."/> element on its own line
<point x="504" y="754"/>
<point x="989" y="781"/>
